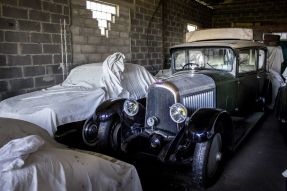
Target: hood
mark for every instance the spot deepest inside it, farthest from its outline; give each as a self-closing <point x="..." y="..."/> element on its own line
<point x="189" y="83"/>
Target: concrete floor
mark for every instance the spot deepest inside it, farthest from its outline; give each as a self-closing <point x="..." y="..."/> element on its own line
<point x="256" y="165"/>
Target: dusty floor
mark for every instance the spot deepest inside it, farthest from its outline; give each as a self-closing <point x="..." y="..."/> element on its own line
<point x="256" y="165"/>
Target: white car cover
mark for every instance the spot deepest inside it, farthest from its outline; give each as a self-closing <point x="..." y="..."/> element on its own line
<point x="274" y="63"/>
<point x="79" y="95"/>
<point x="32" y="160"/>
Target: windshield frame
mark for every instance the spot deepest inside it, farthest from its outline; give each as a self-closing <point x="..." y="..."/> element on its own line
<point x="173" y="50"/>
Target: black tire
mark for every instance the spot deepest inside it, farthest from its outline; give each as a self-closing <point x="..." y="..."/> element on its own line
<point x="207" y="161"/>
<point x="104" y="136"/>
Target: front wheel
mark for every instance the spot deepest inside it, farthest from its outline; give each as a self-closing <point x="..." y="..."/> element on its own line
<point x="207" y="161"/>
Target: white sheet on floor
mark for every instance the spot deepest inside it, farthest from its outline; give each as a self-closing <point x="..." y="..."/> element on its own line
<point x="16" y="151"/>
<point x="79" y="95"/>
<point x="274" y="63"/>
<point x="52" y="166"/>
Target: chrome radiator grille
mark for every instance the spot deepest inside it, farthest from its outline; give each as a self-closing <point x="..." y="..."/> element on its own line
<point x="200" y="100"/>
<point x="158" y="102"/>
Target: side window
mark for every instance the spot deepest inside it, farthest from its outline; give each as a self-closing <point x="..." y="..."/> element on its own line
<point x="261" y="59"/>
<point x="247" y="61"/>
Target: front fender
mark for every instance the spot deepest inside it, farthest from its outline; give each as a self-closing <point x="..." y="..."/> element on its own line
<point x="110" y="108"/>
<point x="106" y="110"/>
<point x="202" y="124"/>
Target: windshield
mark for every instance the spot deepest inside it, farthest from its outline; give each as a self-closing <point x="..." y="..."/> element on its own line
<point x="204" y="58"/>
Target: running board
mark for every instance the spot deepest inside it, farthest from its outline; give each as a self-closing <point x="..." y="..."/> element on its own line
<point x="246" y="124"/>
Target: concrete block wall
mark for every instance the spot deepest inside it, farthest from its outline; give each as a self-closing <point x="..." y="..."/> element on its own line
<point x="264" y="15"/>
<point x="30" y="39"/>
<point x="146" y="34"/>
<point x="30" y="44"/>
<point x="88" y="44"/>
<point x="176" y="16"/>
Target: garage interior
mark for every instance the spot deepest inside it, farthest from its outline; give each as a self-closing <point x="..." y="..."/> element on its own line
<point x="41" y="41"/>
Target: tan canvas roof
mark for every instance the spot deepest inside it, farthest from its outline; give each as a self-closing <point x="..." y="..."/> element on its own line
<point x="235" y="44"/>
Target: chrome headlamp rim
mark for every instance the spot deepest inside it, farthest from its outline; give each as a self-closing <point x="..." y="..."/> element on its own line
<point x="131" y="107"/>
<point x="178" y="113"/>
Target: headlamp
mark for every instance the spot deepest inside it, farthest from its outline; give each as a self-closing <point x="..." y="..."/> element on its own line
<point x="131" y="107"/>
<point x="178" y="112"/>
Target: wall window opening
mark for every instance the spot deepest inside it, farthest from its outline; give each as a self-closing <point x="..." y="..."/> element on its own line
<point x="105" y="13"/>
<point x="191" y="27"/>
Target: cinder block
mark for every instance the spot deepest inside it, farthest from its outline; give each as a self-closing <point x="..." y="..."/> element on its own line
<point x="80" y="39"/>
<point x="61" y="1"/>
<point x="15" y="12"/>
<point x="42" y="59"/>
<point x="80" y="59"/>
<point x="3" y="86"/>
<point x="55" y="18"/>
<point x="39" y="16"/>
<point x="18" y="84"/>
<point x="48" y="48"/>
<point x="113" y="34"/>
<point x="9" y="24"/>
<point x="66" y="10"/>
<point x="94" y="58"/>
<point x="3" y="61"/>
<point x="89" y="49"/>
<point x="45" y="81"/>
<point x="9" y="2"/>
<point x="34" y="4"/>
<point x="53" y="69"/>
<point x="75" y="30"/>
<point x="30" y="48"/>
<point x="1" y="36"/>
<point x="54" y="8"/>
<point x="29" y="26"/>
<point x="40" y="38"/>
<point x="16" y="36"/>
<point x="101" y="49"/>
<point x="51" y="28"/>
<point x="86" y="13"/>
<point x="19" y="60"/>
<point x="91" y="23"/>
<point x="34" y="71"/>
<point x="8" y="48"/>
<point x="58" y="58"/>
<point x="77" y="48"/>
<point x="59" y="78"/>
<point x="95" y="40"/>
<point x="124" y="34"/>
<point x="12" y="72"/>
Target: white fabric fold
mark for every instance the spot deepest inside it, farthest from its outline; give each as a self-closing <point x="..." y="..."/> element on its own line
<point x="284" y="173"/>
<point x="14" y="153"/>
<point x="113" y="67"/>
<point x="274" y="62"/>
<point x="55" y="167"/>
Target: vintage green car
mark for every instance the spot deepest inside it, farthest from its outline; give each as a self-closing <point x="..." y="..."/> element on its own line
<point x="217" y="92"/>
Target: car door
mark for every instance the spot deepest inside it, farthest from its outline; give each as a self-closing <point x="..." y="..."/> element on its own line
<point x="247" y="82"/>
